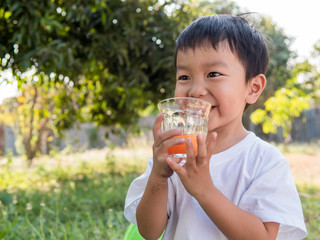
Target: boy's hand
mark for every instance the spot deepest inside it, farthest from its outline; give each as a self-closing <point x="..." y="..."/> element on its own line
<point x="162" y="142"/>
<point x="195" y="174"/>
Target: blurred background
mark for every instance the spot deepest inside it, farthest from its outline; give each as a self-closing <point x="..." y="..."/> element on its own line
<point x="79" y="84"/>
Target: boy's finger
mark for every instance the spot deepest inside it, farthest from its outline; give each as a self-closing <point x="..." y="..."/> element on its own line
<point x="202" y="148"/>
<point x="191" y="157"/>
<point x="165" y="145"/>
<point x="175" y="165"/>
<point x="211" y="142"/>
<point x="160" y="136"/>
<point x="157" y="126"/>
<point x="167" y="136"/>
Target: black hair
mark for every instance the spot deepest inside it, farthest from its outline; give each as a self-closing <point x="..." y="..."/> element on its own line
<point x="244" y="41"/>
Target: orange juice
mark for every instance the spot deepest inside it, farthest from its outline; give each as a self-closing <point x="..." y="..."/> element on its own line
<point x="181" y="148"/>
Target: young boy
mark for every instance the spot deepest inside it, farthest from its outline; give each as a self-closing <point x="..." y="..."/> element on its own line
<point x="238" y="186"/>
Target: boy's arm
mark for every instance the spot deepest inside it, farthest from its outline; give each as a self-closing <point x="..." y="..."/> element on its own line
<point x="152" y="210"/>
<point x="234" y="222"/>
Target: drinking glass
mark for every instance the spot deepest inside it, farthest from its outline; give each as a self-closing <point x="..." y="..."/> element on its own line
<point x="190" y="115"/>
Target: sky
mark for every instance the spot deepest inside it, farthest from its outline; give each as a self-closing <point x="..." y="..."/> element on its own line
<point x="297" y="18"/>
<point x="7" y="90"/>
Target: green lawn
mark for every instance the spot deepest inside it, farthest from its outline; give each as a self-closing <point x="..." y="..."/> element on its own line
<point x="310" y="198"/>
<point x="82" y="200"/>
<point x="81" y="196"/>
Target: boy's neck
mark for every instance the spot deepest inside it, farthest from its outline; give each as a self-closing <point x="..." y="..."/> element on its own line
<point x="227" y="139"/>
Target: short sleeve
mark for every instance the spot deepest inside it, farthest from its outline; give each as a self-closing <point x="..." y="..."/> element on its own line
<point x="135" y="193"/>
<point x="272" y="196"/>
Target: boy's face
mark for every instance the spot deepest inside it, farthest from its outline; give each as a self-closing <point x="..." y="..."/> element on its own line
<point x="217" y="76"/>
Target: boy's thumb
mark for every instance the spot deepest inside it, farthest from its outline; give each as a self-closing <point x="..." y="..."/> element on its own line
<point x="157" y="126"/>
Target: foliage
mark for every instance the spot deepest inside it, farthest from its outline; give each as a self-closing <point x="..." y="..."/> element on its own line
<point x="309" y="80"/>
<point x="34" y="115"/>
<point x="28" y="119"/>
<point x="117" y="55"/>
<point x="278" y="71"/>
<point x="280" y="110"/>
<point x="289" y="102"/>
<point x="315" y="81"/>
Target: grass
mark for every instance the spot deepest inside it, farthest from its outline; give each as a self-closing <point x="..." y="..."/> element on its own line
<point x="81" y="195"/>
<point x="83" y="200"/>
<point x="310" y="196"/>
<point x="300" y="148"/>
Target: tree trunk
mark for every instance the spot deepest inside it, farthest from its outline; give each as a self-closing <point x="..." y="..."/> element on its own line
<point x="31" y="150"/>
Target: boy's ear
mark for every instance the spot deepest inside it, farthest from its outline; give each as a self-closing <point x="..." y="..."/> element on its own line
<point x="256" y="86"/>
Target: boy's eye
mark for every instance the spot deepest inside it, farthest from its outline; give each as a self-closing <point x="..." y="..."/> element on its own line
<point x="183" y="77"/>
<point x="214" y="74"/>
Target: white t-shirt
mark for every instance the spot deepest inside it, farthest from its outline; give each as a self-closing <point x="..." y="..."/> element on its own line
<point x="252" y="174"/>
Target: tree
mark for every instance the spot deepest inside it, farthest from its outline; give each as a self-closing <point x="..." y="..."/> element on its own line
<point x="117" y="55"/>
<point x="287" y="102"/>
<point x="280" y="110"/>
<point x="279" y="70"/>
<point x="314" y="80"/>
<point x="34" y="115"/>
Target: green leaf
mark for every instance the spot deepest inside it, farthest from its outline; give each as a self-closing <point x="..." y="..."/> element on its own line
<point x="7" y="15"/>
<point x="258" y="116"/>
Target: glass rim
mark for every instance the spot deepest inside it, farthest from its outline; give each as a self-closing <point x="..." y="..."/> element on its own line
<point x="187" y="98"/>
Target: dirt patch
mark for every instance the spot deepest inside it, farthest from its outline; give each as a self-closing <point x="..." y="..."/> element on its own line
<point x="305" y="168"/>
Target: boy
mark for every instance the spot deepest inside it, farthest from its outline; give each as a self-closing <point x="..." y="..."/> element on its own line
<point x="238" y="186"/>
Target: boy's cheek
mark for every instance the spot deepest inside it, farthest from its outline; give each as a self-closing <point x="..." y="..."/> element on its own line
<point x="181" y="91"/>
<point x="178" y="94"/>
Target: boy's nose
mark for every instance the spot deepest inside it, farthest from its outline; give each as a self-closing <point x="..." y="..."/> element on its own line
<point x="197" y="90"/>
